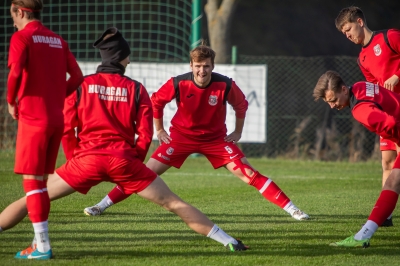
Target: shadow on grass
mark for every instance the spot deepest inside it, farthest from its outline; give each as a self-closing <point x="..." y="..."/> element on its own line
<point x="268" y="235"/>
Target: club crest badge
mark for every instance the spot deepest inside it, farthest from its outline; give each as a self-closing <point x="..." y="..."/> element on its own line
<point x="213" y="100"/>
<point x="377" y="50"/>
<point x="170" y="151"/>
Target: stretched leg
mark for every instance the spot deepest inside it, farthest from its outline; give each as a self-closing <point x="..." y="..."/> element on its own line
<point x="117" y="194"/>
<point x="13" y="214"/>
<point x="268" y="189"/>
<point x="16" y="211"/>
<point x="159" y="193"/>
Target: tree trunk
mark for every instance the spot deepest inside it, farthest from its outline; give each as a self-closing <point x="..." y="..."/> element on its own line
<point x="219" y="17"/>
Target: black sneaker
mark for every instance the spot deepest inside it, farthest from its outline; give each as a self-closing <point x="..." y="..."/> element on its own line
<point x="387" y="223"/>
<point x="237" y="247"/>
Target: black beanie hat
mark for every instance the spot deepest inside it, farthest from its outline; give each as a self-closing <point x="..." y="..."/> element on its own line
<point x="114" y="48"/>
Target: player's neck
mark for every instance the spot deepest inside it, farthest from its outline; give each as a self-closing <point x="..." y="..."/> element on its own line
<point x="26" y="22"/>
<point x="367" y="36"/>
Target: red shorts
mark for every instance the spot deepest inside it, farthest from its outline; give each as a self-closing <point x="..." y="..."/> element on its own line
<point x="85" y="172"/>
<point x="218" y="152"/>
<point x="387" y="145"/>
<point x="37" y="149"/>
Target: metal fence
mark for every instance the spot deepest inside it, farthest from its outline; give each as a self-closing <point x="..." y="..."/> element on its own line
<point x="299" y="127"/>
<point x="159" y="31"/>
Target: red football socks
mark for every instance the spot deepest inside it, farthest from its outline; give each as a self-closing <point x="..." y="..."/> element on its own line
<point x="37" y="202"/>
<point x="384" y="206"/>
<point x="46" y="199"/>
<point x="117" y="194"/>
<point x="269" y="190"/>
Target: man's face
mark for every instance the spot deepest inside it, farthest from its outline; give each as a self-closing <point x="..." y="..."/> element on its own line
<point x="202" y="72"/>
<point x="338" y="100"/>
<point x="354" y="31"/>
<point x="17" y="17"/>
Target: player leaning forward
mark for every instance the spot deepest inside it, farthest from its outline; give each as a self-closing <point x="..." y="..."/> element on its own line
<point x="199" y="127"/>
<point x="379" y="61"/>
<point x="106" y="150"/>
<point x="378" y="109"/>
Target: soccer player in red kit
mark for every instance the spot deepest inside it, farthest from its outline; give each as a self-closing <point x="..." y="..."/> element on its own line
<point x="379" y="61"/>
<point x="39" y="61"/>
<point x="199" y="127"/>
<point x="108" y="110"/>
<point x="378" y="109"/>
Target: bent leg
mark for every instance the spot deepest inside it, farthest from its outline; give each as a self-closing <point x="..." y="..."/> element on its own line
<point x="388" y="159"/>
<point x="384" y="206"/>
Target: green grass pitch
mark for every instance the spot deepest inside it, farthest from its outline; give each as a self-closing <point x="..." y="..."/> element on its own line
<point x="338" y="196"/>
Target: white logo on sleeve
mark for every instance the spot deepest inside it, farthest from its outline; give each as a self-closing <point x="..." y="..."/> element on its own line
<point x="369" y="89"/>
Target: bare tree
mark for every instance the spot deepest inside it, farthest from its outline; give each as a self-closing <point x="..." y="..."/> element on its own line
<point x="219" y="17"/>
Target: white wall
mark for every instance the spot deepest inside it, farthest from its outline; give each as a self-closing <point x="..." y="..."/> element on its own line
<point x="252" y="79"/>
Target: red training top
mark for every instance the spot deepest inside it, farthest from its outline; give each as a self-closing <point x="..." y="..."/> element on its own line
<point x="380" y="58"/>
<point x="39" y="61"/>
<point x="377" y="108"/>
<point x="201" y="112"/>
<point x="108" y="110"/>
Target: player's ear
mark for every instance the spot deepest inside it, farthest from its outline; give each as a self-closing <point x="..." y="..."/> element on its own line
<point x="344" y="90"/>
<point x="360" y="22"/>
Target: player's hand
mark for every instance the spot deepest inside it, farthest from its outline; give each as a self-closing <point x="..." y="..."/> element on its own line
<point x="13" y="110"/>
<point x="233" y="137"/>
<point x="163" y="137"/>
<point x="391" y="82"/>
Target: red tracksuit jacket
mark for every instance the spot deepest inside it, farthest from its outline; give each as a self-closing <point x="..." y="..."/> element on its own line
<point x="377" y="108"/>
<point x="108" y="110"/>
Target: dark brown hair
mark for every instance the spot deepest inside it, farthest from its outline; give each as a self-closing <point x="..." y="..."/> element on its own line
<point x="34" y="6"/>
<point x="349" y="14"/>
<point x="331" y="80"/>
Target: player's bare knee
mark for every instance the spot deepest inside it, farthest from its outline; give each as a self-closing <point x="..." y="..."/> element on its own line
<point x="170" y="202"/>
<point x="245" y="169"/>
<point x="387" y="165"/>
